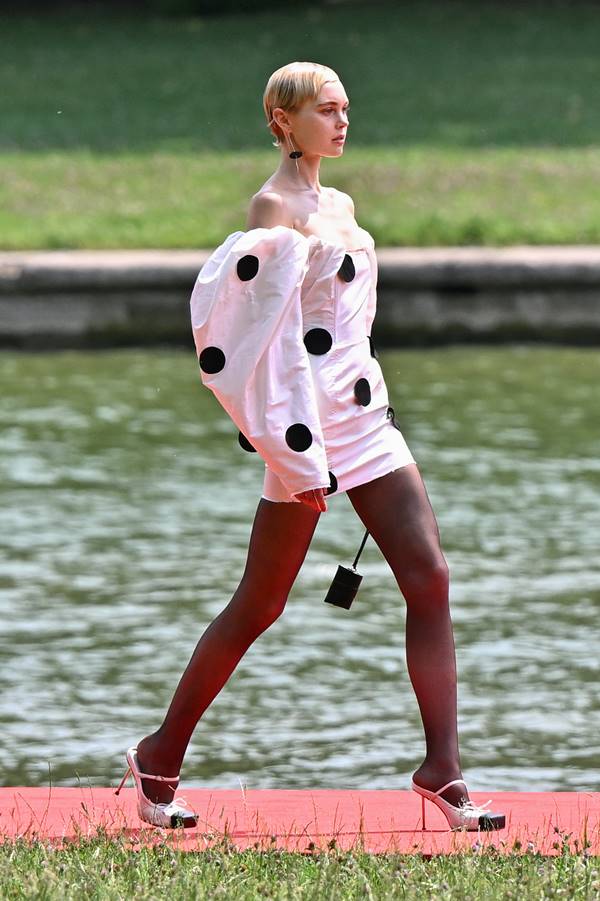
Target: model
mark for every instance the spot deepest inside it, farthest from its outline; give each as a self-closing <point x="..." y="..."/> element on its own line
<point x="281" y="317"/>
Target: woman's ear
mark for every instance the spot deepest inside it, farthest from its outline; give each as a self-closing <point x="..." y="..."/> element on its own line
<point x="281" y="119"/>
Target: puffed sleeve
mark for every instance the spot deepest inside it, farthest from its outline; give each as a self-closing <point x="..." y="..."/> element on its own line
<point x="247" y="325"/>
<point x="372" y="307"/>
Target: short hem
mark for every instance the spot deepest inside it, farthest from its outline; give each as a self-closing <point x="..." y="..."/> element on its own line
<point x="293" y="500"/>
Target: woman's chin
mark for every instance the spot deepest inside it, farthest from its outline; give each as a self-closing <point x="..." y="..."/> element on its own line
<point x="337" y="150"/>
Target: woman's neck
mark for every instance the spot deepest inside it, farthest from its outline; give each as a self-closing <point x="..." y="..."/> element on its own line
<point x="301" y="174"/>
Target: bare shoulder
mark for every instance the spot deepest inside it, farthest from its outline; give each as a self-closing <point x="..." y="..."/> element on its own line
<point x="343" y="199"/>
<point x="268" y="209"/>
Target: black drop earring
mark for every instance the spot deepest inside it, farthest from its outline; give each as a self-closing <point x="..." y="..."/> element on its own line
<point x="295" y="154"/>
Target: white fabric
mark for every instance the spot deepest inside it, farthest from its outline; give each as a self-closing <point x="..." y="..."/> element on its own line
<point x="270" y="381"/>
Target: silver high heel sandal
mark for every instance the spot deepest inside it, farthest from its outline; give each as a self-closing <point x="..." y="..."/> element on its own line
<point x="466" y="816"/>
<point x="171" y="815"/>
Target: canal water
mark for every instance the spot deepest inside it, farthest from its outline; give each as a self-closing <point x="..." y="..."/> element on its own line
<point x="125" y="513"/>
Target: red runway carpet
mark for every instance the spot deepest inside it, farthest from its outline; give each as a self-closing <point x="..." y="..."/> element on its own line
<point x="376" y="821"/>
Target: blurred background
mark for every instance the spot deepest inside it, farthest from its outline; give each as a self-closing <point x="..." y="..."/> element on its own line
<point x="471" y="123"/>
<point x="125" y="501"/>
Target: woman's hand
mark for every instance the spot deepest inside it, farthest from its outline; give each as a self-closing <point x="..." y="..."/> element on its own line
<point x="315" y="498"/>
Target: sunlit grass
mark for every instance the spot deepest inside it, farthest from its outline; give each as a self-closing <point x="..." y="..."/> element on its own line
<point x="415" y="196"/>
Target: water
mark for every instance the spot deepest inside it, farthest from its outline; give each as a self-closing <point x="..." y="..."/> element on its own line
<point x="125" y="514"/>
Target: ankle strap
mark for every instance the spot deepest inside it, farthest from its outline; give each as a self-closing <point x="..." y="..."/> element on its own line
<point x="158" y="778"/>
<point x="132" y="759"/>
<point x="448" y="784"/>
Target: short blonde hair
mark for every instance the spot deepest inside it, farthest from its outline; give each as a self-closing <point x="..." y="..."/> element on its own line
<point x="291" y="86"/>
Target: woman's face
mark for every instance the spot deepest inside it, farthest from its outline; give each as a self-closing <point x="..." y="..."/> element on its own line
<point x="319" y="126"/>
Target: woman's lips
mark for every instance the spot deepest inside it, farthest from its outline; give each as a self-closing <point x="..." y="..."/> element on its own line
<point x="340" y="140"/>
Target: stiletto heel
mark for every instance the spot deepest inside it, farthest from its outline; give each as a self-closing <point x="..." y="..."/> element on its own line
<point x="171" y="815"/>
<point x="466" y="816"/>
<point x="123" y="780"/>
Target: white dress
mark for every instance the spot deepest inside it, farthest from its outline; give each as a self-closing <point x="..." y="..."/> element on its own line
<point x="282" y="327"/>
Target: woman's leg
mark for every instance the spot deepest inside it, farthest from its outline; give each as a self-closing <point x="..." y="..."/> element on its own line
<point x="280" y="538"/>
<point x="396" y="511"/>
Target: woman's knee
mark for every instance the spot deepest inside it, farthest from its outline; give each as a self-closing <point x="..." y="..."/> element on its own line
<point x="259" y="608"/>
<point x="425" y="582"/>
<point x="270" y="610"/>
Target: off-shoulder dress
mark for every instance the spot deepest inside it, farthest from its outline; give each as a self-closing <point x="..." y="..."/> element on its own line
<point x="282" y="328"/>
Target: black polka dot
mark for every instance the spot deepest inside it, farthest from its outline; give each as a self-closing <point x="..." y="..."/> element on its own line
<point x="332" y="484"/>
<point x="318" y="341"/>
<point x="298" y="437"/>
<point x="372" y="348"/>
<point x="362" y="392"/>
<point x="347" y="271"/>
<point x="212" y="359"/>
<point x="245" y="444"/>
<point x="247" y="267"/>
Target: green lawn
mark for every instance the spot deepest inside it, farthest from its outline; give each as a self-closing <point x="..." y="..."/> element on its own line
<point x="470" y="124"/>
<point x="106" y="870"/>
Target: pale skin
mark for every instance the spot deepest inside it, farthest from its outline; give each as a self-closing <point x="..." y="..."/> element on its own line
<point x="394" y="508"/>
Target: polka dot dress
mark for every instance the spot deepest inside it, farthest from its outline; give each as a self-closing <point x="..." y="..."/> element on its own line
<point x="282" y="327"/>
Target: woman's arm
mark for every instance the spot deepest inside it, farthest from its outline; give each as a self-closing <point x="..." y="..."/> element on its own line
<point x="267" y="210"/>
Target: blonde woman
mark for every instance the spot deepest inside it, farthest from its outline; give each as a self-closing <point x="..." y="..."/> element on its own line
<point x="282" y="316"/>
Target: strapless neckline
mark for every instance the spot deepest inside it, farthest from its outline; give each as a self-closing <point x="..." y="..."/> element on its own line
<point x="320" y="240"/>
<point x="336" y="244"/>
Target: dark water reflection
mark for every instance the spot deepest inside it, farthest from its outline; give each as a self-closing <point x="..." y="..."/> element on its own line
<point x="126" y="511"/>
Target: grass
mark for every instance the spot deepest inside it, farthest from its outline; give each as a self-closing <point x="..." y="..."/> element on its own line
<point x="470" y="124"/>
<point x="406" y="197"/>
<point x="104" y="869"/>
